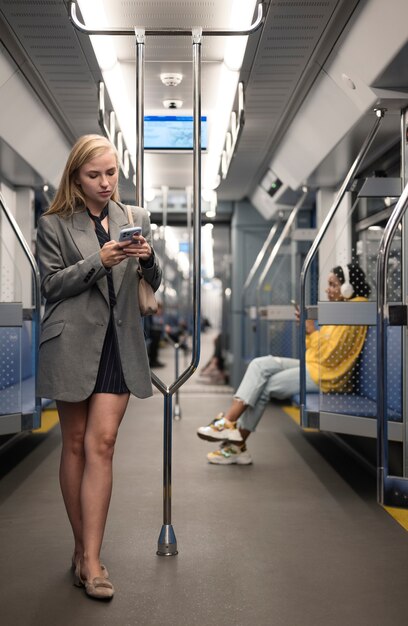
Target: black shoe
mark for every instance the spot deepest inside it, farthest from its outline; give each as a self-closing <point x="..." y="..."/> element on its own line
<point x="157" y="364"/>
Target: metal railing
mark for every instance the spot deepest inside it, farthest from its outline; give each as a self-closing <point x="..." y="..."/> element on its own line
<point x="284" y="234"/>
<point x="167" y="32"/>
<point x="36" y="292"/>
<point x="391" y="490"/>
<point x="313" y="251"/>
<point x="251" y="275"/>
<point x="167" y="544"/>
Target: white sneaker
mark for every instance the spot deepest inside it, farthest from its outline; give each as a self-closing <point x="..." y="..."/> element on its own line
<point x="230" y="454"/>
<point x="220" y="430"/>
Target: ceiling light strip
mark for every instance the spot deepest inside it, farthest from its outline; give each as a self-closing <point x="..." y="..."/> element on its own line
<point x="115" y="136"/>
<point x="233" y="135"/>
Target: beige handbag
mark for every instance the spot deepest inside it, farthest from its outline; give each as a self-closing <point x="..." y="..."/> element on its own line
<point x="147" y="300"/>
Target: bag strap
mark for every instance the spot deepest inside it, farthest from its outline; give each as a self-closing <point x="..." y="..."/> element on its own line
<point x="130" y="216"/>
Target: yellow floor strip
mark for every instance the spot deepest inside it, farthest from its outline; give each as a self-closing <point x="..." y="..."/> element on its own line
<point x="49" y="419"/>
<point x="400" y="515"/>
<point x="294" y="413"/>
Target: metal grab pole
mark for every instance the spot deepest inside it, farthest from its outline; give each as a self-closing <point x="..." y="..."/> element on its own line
<point x="313" y="250"/>
<point x="167" y="32"/>
<point x="177" y="408"/>
<point x="140" y="81"/>
<point x="274" y="254"/>
<point x="261" y="255"/>
<point x="167" y="545"/>
<point x="278" y="245"/>
<point x="382" y="316"/>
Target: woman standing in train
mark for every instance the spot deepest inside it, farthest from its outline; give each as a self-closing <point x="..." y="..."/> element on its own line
<point x="92" y="347"/>
<point x="331" y="354"/>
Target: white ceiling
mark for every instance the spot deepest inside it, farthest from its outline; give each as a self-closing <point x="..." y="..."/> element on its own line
<point x="281" y="61"/>
<point x="280" y="69"/>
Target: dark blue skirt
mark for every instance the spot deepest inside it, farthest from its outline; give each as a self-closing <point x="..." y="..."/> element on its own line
<point x="110" y="375"/>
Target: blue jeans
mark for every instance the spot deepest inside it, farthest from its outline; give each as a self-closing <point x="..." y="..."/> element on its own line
<point x="268" y="377"/>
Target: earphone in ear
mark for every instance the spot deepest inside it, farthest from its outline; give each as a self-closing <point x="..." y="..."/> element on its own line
<point x="347" y="288"/>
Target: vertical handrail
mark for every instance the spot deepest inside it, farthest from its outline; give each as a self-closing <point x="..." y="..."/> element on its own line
<point x="314" y="248"/>
<point x="404" y="277"/>
<point x="251" y="275"/>
<point x="286" y="230"/>
<point x="140" y="82"/>
<point x="261" y="255"/>
<point x="164" y="249"/>
<point x="167" y="545"/>
<point x="177" y="407"/>
<point x="36" y="318"/>
<point x="382" y="318"/>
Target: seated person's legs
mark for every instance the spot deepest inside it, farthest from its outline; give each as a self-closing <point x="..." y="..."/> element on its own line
<point x="258" y="375"/>
<point x="254" y="391"/>
<point x="266" y="378"/>
<point x="282" y="385"/>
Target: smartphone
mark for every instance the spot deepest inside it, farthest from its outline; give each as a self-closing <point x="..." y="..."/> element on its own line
<point x="126" y="234"/>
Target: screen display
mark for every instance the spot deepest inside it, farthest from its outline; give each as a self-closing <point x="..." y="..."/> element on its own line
<point x="172" y="132"/>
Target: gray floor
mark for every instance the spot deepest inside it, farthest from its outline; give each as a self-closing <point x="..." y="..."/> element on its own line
<point x="295" y="539"/>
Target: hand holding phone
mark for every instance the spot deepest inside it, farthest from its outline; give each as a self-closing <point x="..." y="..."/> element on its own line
<point x="297" y="311"/>
<point x="126" y="234"/>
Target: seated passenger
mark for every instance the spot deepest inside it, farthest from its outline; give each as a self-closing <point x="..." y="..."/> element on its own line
<point x="214" y="370"/>
<point x="331" y="354"/>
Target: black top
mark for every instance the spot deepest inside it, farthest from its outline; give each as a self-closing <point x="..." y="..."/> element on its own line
<point x="104" y="237"/>
<point x="110" y="377"/>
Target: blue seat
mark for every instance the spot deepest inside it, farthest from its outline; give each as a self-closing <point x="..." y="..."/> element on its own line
<point x="17" y="381"/>
<point x="362" y="402"/>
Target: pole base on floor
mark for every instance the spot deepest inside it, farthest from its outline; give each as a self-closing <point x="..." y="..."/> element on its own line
<point x="167" y="544"/>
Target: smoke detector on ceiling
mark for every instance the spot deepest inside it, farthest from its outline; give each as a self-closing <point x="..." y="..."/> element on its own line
<point x="171" y="79"/>
<point x="172" y="104"/>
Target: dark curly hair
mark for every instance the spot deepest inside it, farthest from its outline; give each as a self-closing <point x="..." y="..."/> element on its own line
<point x="357" y="279"/>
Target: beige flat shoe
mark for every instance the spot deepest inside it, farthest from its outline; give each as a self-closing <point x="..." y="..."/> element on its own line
<point x="100" y="588"/>
<point x="103" y="568"/>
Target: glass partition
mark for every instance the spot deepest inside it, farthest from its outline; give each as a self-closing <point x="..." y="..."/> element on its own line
<point x="11" y="319"/>
<point x="263" y="242"/>
<point x="19" y="319"/>
<point x="278" y="291"/>
<point x="346" y="343"/>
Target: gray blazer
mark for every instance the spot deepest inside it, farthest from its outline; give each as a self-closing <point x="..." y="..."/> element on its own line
<point x="76" y="316"/>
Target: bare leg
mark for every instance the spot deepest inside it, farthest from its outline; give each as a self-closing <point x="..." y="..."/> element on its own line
<point x="234" y="412"/>
<point x="105" y="413"/>
<point x="90" y="425"/>
<point x="73" y="420"/>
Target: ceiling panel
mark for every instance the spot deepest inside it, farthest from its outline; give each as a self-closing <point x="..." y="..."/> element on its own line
<point x="289" y="40"/>
<point x="46" y="36"/>
<point x="277" y="58"/>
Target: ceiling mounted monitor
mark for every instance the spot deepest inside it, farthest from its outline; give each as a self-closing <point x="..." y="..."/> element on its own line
<point x="172" y="133"/>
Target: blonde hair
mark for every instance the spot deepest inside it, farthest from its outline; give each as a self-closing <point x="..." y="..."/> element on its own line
<point x="69" y="197"/>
